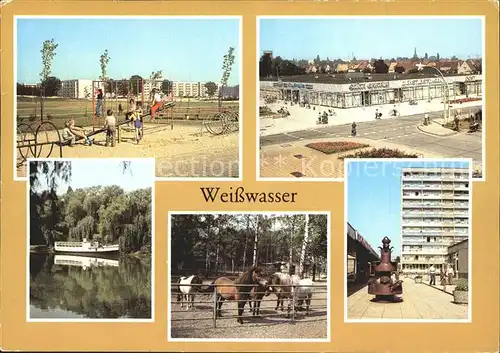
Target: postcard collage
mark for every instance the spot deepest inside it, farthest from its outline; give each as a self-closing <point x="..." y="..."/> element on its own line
<point x="249" y="176"/>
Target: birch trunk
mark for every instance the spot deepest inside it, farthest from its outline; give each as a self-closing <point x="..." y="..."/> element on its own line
<point x="290" y="256"/>
<point x="304" y="247"/>
<point x="255" y="240"/>
<point x="245" y="246"/>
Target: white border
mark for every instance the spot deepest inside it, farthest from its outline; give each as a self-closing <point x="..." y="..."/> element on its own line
<point x="129" y="17"/>
<point x="368" y="17"/>
<point x="153" y="238"/>
<point x="346" y="199"/>
<point x="169" y="290"/>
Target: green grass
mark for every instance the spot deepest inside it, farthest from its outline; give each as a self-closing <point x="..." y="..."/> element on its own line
<point x="59" y="110"/>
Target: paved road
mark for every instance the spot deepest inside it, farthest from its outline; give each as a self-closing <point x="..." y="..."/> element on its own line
<point x="401" y="130"/>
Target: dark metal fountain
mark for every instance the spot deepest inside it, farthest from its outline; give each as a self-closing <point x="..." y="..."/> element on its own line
<point x="382" y="286"/>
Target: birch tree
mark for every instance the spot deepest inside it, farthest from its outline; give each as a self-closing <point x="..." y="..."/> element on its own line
<point x="256" y="239"/>
<point x="304" y="247"/>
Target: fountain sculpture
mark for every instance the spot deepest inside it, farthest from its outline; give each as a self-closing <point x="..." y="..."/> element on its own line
<point x="382" y="285"/>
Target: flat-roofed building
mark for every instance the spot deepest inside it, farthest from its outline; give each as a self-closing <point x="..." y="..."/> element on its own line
<point x="435" y="214"/>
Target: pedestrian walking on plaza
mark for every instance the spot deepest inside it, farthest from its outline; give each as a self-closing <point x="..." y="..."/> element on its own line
<point x="442" y="277"/>
<point x="377" y="115"/>
<point x="450" y="274"/>
<point x="353" y="129"/>
<point x="432" y="275"/>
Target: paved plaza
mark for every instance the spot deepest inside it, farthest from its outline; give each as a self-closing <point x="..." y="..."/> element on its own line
<point x="420" y="301"/>
<point x="278" y="150"/>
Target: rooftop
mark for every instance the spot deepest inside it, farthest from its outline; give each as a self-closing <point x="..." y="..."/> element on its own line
<point x="341" y="78"/>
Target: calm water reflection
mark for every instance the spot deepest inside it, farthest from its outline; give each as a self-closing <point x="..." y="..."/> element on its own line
<point x="72" y="287"/>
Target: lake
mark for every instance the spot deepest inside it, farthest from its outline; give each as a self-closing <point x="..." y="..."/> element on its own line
<point x="76" y="287"/>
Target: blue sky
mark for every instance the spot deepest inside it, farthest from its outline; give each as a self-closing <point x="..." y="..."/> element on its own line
<point x="184" y="49"/>
<point x="340" y="38"/>
<point x="374" y="198"/>
<point x="94" y="172"/>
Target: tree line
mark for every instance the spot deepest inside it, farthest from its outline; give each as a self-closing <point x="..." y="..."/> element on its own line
<point x="108" y="214"/>
<point x="270" y="66"/>
<point x="214" y="243"/>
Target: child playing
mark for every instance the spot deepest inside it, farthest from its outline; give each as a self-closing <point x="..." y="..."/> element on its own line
<point x="110" y="126"/>
<point x="138" y="122"/>
<point x="71" y="133"/>
<point x="156" y="103"/>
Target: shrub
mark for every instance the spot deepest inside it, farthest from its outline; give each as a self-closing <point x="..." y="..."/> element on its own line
<point x="381" y="153"/>
<point x="462" y="285"/>
<point x="335" y="146"/>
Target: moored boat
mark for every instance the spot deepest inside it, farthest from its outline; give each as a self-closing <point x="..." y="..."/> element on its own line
<point x="84" y="247"/>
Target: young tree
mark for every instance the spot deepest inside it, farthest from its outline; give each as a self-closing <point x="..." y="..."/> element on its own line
<point x="48" y="53"/>
<point x="227" y="67"/>
<point x="104" y="61"/>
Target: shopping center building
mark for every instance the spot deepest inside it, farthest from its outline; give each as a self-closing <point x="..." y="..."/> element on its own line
<point x="435" y="214"/>
<point x="359" y="89"/>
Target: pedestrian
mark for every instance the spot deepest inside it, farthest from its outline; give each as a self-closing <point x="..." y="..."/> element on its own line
<point x="432" y="275"/>
<point x="450" y="274"/>
<point x="442" y="277"/>
<point x="376" y="114"/>
<point x="426" y="119"/>
<point x="110" y="126"/>
<point x="353" y="129"/>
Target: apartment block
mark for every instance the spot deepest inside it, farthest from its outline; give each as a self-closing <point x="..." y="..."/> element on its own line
<point x="190" y="89"/>
<point x="76" y="89"/>
<point x="434" y="215"/>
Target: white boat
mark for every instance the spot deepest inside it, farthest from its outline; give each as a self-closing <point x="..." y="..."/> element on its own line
<point x="84" y="247"/>
<point x="83" y="261"/>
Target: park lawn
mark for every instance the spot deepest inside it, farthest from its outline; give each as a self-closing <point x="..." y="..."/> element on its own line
<point x="59" y="110"/>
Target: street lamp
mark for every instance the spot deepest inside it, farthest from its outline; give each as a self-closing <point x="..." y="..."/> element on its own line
<point x="446" y="106"/>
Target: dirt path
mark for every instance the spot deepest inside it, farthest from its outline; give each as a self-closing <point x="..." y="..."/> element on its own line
<point x="179" y="152"/>
<point x="271" y="324"/>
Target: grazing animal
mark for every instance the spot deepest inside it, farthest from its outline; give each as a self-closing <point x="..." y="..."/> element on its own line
<point x="226" y="289"/>
<point x="186" y="290"/>
<point x="281" y="284"/>
<point x="304" y="293"/>
<point x="256" y="294"/>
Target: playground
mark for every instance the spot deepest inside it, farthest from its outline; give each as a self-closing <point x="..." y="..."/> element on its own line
<point x="187" y="138"/>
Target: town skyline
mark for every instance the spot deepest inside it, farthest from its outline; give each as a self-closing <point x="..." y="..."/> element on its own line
<point x="353" y="57"/>
<point x="371" y="37"/>
<point x="183" y="49"/>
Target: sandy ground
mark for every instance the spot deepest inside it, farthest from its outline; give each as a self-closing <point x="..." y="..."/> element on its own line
<point x="185" y="151"/>
<point x="270" y="325"/>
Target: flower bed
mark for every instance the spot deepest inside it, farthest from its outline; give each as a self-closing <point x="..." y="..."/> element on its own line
<point x="464" y="100"/>
<point x="381" y="153"/>
<point x="336" y="146"/>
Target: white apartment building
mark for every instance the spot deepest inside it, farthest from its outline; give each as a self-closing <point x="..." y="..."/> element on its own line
<point x="435" y="214"/>
<point x="148" y="86"/>
<point x="190" y="89"/>
<point x="76" y="89"/>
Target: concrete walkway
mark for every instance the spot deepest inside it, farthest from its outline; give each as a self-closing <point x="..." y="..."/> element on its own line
<point x="420" y="301"/>
<point x="302" y="118"/>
